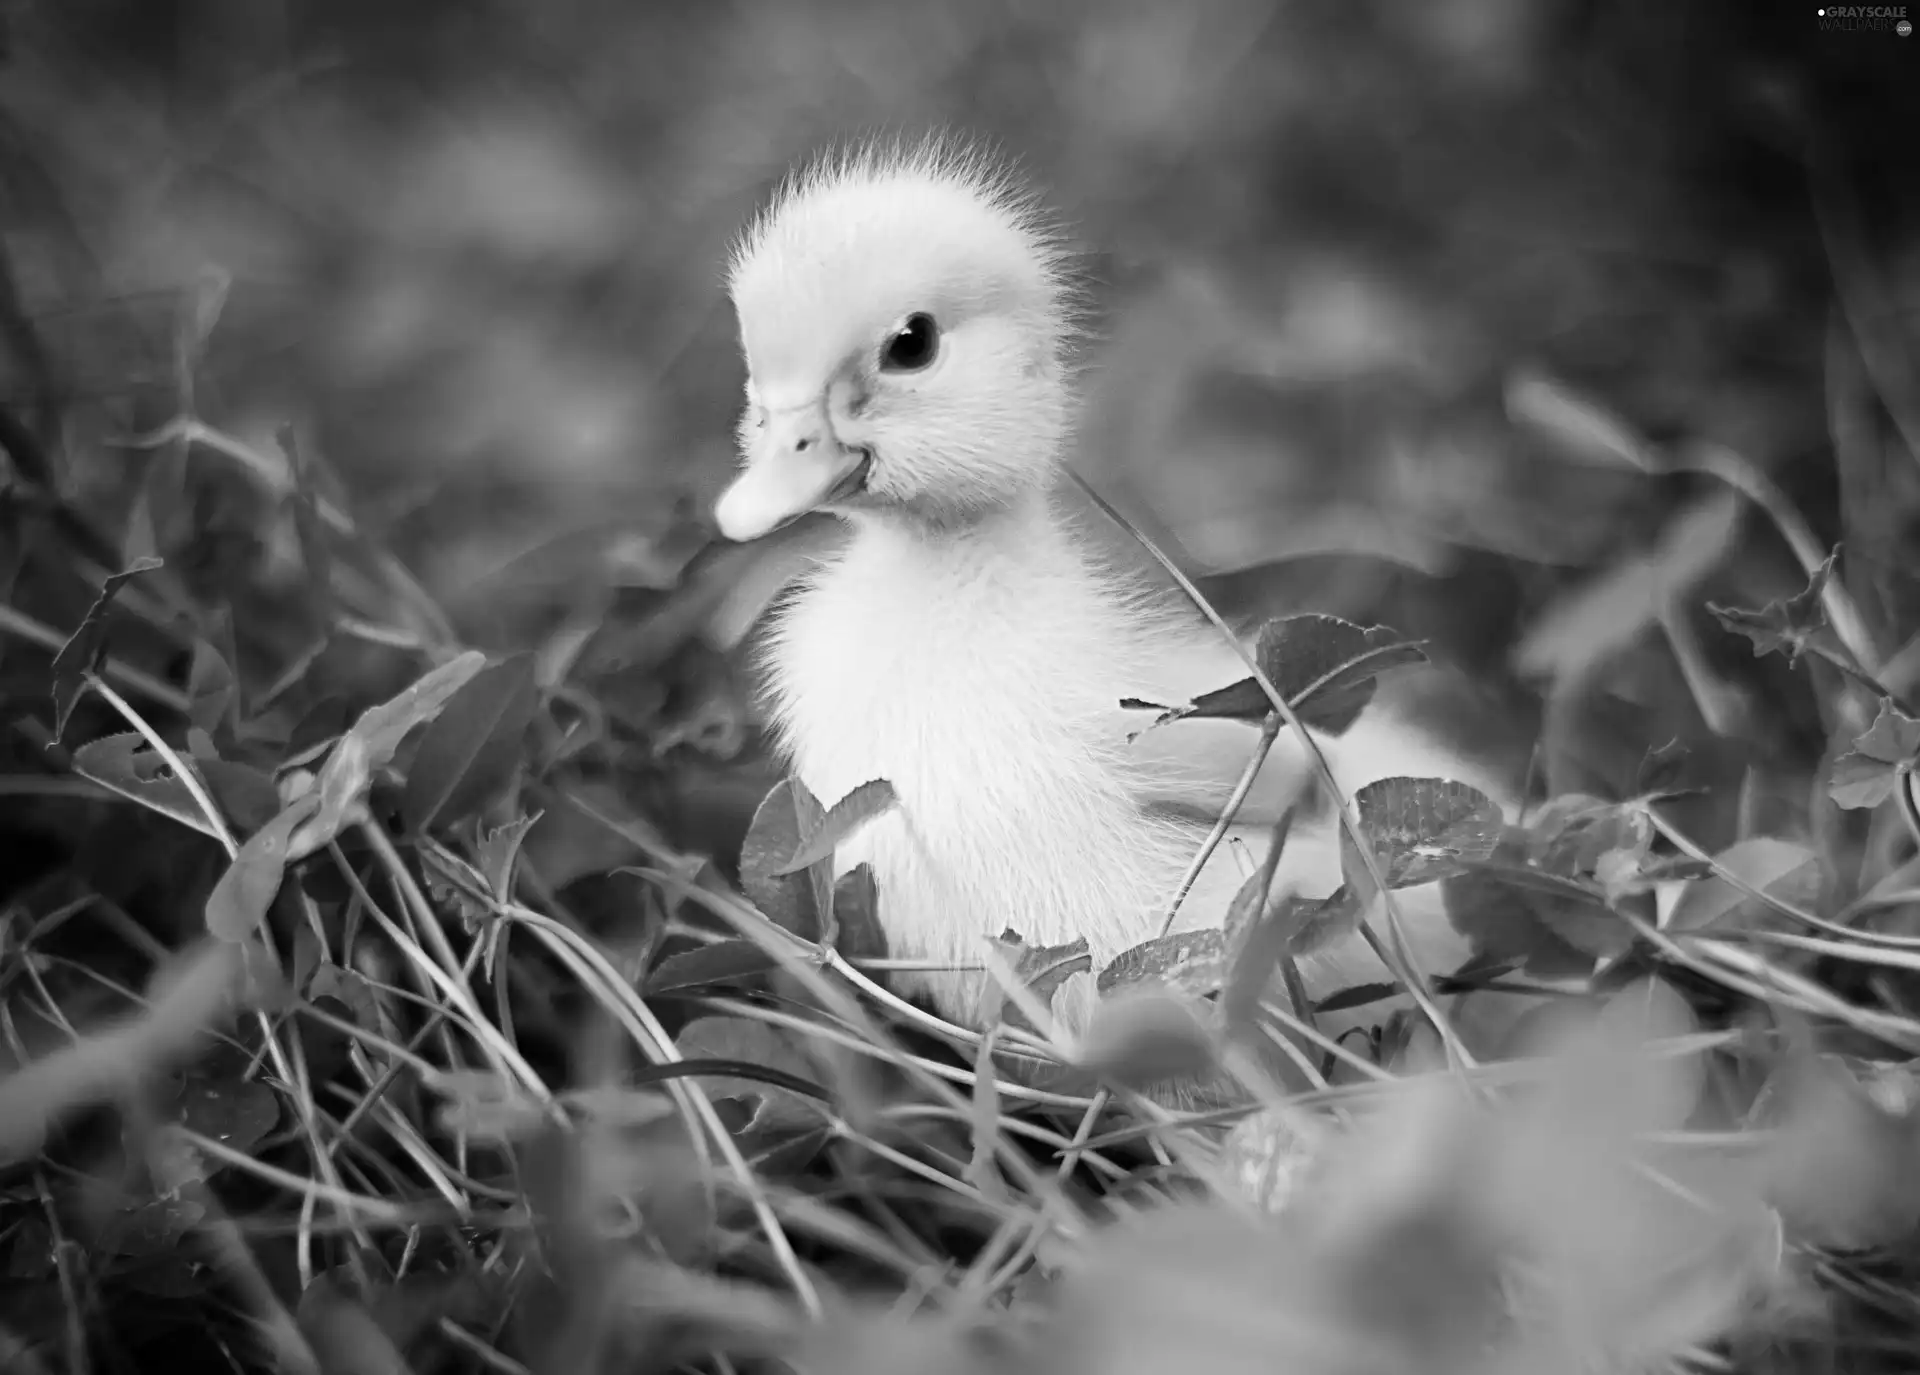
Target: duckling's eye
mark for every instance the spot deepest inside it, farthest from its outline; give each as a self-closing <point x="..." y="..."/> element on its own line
<point x="915" y="346"/>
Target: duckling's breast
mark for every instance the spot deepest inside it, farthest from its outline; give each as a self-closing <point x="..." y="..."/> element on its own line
<point x="981" y="688"/>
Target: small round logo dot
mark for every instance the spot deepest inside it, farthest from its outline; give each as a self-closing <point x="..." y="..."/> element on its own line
<point x="1904" y="28"/>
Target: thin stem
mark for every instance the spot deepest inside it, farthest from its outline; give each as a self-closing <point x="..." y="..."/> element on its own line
<point x="1269" y="732"/>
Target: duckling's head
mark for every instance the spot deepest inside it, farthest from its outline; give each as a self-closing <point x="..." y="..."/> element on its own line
<point x="905" y="322"/>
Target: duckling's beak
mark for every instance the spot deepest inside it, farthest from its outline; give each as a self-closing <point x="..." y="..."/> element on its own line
<point x="799" y="465"/>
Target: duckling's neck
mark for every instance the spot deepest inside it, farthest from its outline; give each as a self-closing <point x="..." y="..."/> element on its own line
<point x="1025" y="526"/>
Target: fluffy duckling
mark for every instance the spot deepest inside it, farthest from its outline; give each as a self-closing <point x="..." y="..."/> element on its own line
<point x="906" y="320"/>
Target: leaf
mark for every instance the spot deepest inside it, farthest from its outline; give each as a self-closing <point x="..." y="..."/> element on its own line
<point x="1661" y="769"/>
<point x="1039" y="969"/>
<point x="1190" y="961"/>
<point x="1554" y="927"/>
<point x="263" y="981"/>
<point x="193" y="326"/>
<point x="235" y="1112"/>
<point x="1323" y="922"/>
<point x="1326" y="667"/>
<point x="189" y="993"/>
<point x="856" y="914"/>
<point x="383" y="727"/>
<point x="1269" y="1154"/>
<point x="1646" y="1011"/>
<point x="246" y="796"/>
<point x="717" y="963"/>
<point x="487" y="1106"/>
<point x="865" y="803"/>
<point x="323" y="721"/>
<point x="1569" y="834"/>
<point x="1621" y="874"/>
<point x="1421" y="830"/>
<point x="1577" y="428"/>
<point x="343" y="1336"/>
<point x="1591" y="927"/>
<point x="240" y="899"/>
<point x="212" y="693"/>
<point x="87" y="646"/>
<point x="1356" y="995"/>
<point x="1610" y="611"/>
<point x="1248" y="906"/>
<point x="347" y="988"/>
<point x="30" y="1257"/>
<point x="1839" y="1166"/>
<point x="1861" y="781"/>
<point x="152" y="1228"/>
<point x="369" y="745"/>
<point x="328" y="1050"/>
<point x="316" y="554"/>
<point x="1776" y="867"/>
<point x="616" y="1105"/>
<point x="1893" y="738"/>
<point x="1043" y="968"/>
<point x="1866" y="774"/>
<point x="589" y="827"/>
<point x="472" y="749"/>
<point x="796" y="902"/>
<point x="1254" y="960"/>
<point x="1786" y="626"/>
<point x="1142" y="1037"/>
<point x="1323" y="666"/>
<point x="757" y="1044"/>
<point x="308" y="956"/>
<point x="499" y="849"/>
<point x="125" y="764"/>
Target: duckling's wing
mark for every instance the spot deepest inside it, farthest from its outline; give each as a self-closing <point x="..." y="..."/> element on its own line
<point x="1193" y="764"/>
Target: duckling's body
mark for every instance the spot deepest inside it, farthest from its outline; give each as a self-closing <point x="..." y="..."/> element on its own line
<point x="966" y="644"/>
<point x="976" y="673"/>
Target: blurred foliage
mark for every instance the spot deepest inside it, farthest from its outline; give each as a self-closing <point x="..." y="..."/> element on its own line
<point x="1567" y="338"/>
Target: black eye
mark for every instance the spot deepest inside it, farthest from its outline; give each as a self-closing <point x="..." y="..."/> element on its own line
<point x="915" y="346"/>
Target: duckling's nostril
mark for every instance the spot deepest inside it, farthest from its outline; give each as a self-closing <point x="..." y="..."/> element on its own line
<point x="803" y="443"/>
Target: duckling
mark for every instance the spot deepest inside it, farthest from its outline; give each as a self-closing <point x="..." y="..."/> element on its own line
<point x="907" y="318"/>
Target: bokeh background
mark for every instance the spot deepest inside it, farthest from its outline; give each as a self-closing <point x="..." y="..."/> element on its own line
<point x="396" y="327"/>
<point x="471" y="249"/>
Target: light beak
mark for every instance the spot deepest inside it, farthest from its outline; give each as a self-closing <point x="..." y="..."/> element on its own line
<point x="799" y="465"/>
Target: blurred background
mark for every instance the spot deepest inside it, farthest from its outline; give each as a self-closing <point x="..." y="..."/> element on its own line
<point x="1528" y="327"/>
<point x="471" y="251"/>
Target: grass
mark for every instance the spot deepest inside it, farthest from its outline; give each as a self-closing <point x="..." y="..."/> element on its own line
<point x="410" y="958"/>
<point x="398" y="1095"/>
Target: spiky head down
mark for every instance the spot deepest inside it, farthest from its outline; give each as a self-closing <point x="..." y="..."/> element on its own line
<point x="918" y="295"/>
